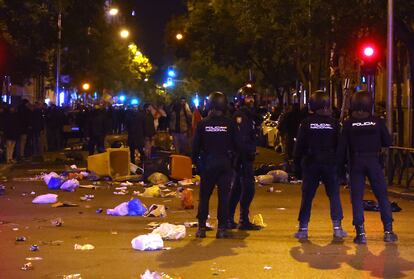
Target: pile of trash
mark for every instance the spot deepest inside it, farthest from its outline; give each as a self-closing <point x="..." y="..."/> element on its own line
<point x="273" y="176"/>
<point x="155" y="240"/>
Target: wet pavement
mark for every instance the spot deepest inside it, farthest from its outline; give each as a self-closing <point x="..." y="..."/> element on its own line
<point x="270" y="253"/>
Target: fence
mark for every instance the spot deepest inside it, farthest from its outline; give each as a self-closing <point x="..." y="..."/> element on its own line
<point x="400" y="166"/>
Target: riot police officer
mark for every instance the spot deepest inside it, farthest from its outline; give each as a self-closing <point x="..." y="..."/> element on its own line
<point x="362" y="137"/>
<point x="212" y="150"/>
<point x="315" y="154"/>
<point x="243" y="187"/>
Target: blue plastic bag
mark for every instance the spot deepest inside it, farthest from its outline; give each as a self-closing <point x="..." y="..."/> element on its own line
<point x="55" y="183"/>
<point x="136" y="208"/>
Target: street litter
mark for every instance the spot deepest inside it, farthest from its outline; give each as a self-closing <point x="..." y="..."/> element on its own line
<point x="266" y="267"/>
<point x="44" y="199"/>
<point x="151" y="192"/>
<point x="55" y="183"/>
<point x="47" y="177"/>
<point x="34" y="259"/>
<point x="279" y="176"/>
<point x="281" y="208"/>
<point x="120" y="210"/>
<point x="147" y="242"/>
<point x="27" y="266"/>
<point x="258" y="221"/>
<point x="264" y="169"/>
<point x="169" y="231"/>
<point x="158" y="178"/>
<point x="265" y="179"/>
<point x="153" y="225"/>
<point x="34" y="248"/>
<point x="155" y="275"/>
<point x="271" y="190"/>
<point x="87" y="197"/>
<point x="133" y="207"/>
<point x="370" y="205"/>
<point x="127" y="183"/>
<point x="89" y="186"/>
<point x="65" y="204"/>
<point x="72" y="276"/>
<point x="99" y="210"/>
<point x="187" y="201"/>
<point x="191" y="224"/>
<point x="186" y="182"/>
<point x="2" y="190"/>
<point x="84" y="247"/>
<point x="121" y="188"/>
<point x="70" y="185"/>
<point x="122" y="192"/>
<point x="57" y="222"/>
<point x="156" y="210"/>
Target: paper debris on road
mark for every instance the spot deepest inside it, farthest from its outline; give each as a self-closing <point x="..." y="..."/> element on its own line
<point x="147" y="242"/>
<point x="170" y="232"/>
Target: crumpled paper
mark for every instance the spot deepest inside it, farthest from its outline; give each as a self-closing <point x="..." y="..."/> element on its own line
<point x="169" y="231"/>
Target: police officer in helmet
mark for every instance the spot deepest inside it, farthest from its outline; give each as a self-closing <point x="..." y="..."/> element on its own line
<point x="362" y="137"/>
<point x="315" y="155"/>
<point x="243" y="187"/>
<point x="213" y="147"/>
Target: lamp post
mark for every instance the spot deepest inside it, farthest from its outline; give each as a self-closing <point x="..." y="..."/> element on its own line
<point x="124" y="33"/>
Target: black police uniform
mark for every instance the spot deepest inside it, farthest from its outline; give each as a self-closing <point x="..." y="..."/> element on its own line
<point x="315" y="150"/>
<point x="363" y="139"/>
<point x="243" y="188"/>
<point x="213" y="146"/>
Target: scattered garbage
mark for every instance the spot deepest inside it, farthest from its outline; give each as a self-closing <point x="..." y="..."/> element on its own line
<point x="2" y="190"/>
<point x="87" y="197"/>
<point x="44" y="199"/>
<point x="264" y="169"/>
<point x="84" y="247"/>
<point x="152" y="192"/>
<point x="151" y="275"/>
<point x="133" y="168"/>
<point x="147" y="242"/>
<point x="57" y="222"/>
<point x="136" y="208"/>
<point x="47" y="177"/>
<point x="34" y="258"/>
<point x="258" y="221"/>
<point x="120" y="210"/>
<point x="158" y="178"/>
<point x="169" y="231"/>
<point x="271" y="190"/>
<point x="55" y="183"/>
<point x="156" y="210"/>
<point x="72" y="276"/>
<point x="127" y="183"/>
<point x="21" y="238"/>
<point x="191" y="224"/>
<point x="99" y="210"/>
<point x="187" y="201"/>
<point x="27" y="266"/>
<point x="186" y="182"/>
<point x="266" y="267"/>
<point x="70" y="185"/>
<point x="265" y="179"/>
<point x="370" y="205"/>
<point x="34" y="248"/>
<point x="65" y="204"/>
<point x="279" y="176"/>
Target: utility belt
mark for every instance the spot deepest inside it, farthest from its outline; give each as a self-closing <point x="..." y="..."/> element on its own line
<point x="365" y="154"/>
<point x="322" y="157"/>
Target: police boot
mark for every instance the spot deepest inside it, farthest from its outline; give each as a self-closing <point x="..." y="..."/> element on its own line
<point x="201" y="232"/>
<point x="231" y="225"/>
<point x="338" y="232"/>
<point x="302" y="233"/>
<point x="360" y="237"/>
<point x="248" y="226"/>
<point x="222" y="233"/>
<point x="389" y="235"/>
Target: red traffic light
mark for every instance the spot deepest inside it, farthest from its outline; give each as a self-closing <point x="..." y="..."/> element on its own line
<point x="369" y="51"/>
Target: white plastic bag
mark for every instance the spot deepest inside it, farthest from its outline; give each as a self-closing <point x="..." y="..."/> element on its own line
<point x="147" y="242"/>
<point x="46" y="177"/>
<point x="265" y="179"/>
<point x="279" y="176"/>
<point x="70" y="185"/>
<point x="44" y="199"/>
<point x="120" y="210"/>
<point x="170" y="232"/>
<point x="151" y="275"/>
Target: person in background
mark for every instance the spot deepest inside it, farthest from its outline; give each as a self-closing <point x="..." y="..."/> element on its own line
<point x="149" y="131"/>
<point x="2" y="139"/>
<point x="96" y="130"/>
<point x="180" y="126"/>
<point x="38" y="126"/>
<point x="25" y="127"/>
<point x="11" y="132"/>
<point x="196" y="119"/>
<point x="135" y="126"/>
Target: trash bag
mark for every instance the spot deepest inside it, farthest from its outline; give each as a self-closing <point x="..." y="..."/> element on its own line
<point x="70" y="185"/>
<point x="152" y="192"/>
<point x="264" y="169"/>
<point x="279" y="176"/>
<point x="187" y="201"/>
<point x="55" y="183"/>
<point x="120" y="210"/>
<point x="93" y="177"/>
<point x="151" y="275"/>
<point x="48" y="176"/>
<point x="158" y="178"/>
<point x="156" y="210"/>
<point x="370" y="205"/>
<point x="265" y="179"/>
<point x="169" y="231"/>
<point x="44" y="199"/>
<point x="395" y="207"/>
<point x="258" y="221"/>
<point x="136" y="208"/>
<point x="147" y="242"/>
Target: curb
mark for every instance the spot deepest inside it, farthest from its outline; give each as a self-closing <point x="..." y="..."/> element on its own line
<point x="399" y="194"/>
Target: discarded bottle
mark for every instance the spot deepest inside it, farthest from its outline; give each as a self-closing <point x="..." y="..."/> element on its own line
<point x="34" y="248"/>
<point x="21" y="238"/>
<point x="27" y="266"/>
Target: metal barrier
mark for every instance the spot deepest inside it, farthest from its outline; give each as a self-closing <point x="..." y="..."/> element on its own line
<point x="400" y="165"/>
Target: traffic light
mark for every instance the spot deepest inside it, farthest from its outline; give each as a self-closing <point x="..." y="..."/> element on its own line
<point x="369" y="54"/>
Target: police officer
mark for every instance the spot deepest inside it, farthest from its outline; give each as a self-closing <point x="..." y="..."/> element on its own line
<point x="315" y="152"/>
<point x="212" y="150"/>
<point x="362" y="137"/>
<point x="243" y="188"/>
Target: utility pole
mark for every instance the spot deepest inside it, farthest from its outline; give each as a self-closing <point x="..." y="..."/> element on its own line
<point x="390" y="41"/>
<point x="59" y="24"/>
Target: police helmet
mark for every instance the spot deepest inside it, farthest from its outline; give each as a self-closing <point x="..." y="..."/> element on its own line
<point x="246" y="91"/>
<point x="217" y="101"/>
<point x="319" y="100"/>
<point x="361" y="101"/>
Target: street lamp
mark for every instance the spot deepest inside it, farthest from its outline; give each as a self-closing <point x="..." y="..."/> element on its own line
<point x="179" y="36"/>
<point x="86" y="86"/>
<point x="113" y="11"/>
<point x="124" y="34"/>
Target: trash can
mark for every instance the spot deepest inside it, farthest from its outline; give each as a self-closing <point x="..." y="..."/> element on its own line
<point x="114" y="163"/>
<point x="181" y="167"/>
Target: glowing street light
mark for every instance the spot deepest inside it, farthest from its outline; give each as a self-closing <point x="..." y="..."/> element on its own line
<point x="113" y="11"/>
<point x="124" y="34"/>
<point x="179" y="36"/>
<point x="86" y="86"/>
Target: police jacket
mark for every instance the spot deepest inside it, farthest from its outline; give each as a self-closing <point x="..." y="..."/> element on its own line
<point x="213" y="138"/>
<point x="364" y="136"/>
<point x="245" y="133"/>
<point x="317" y="140"/>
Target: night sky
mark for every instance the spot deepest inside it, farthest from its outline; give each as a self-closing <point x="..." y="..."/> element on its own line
<point x="149" y="23"/>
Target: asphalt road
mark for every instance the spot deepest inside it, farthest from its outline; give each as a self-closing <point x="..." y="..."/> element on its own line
<point x="270" y="253"/>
